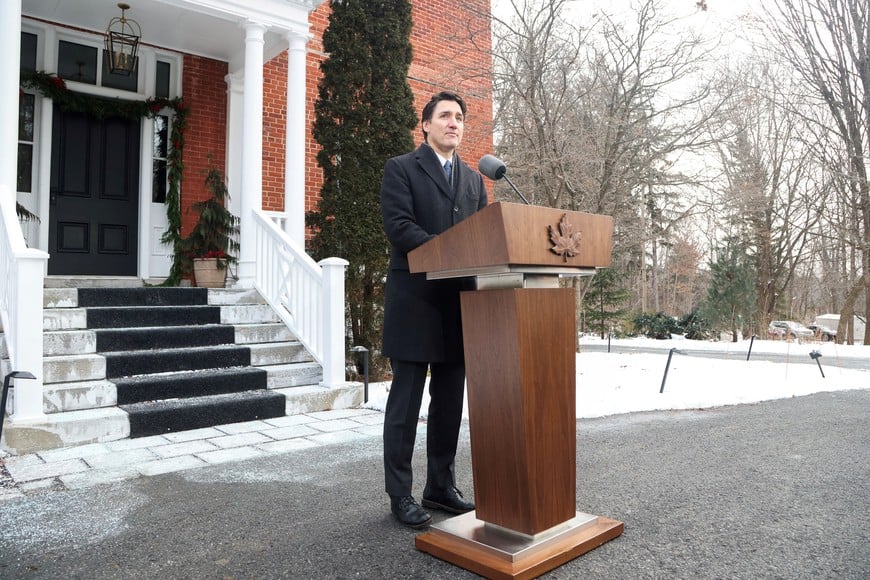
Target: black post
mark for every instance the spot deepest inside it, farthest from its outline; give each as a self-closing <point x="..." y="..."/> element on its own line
<point x="365" y="352"/>
<point x="751" y="340"/>
<point x="816" y="355"/>
<point x="9" y="377"/>
<point x="667" y="366"/>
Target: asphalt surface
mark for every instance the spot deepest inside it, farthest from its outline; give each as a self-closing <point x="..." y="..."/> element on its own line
<point x="778" y="489"/>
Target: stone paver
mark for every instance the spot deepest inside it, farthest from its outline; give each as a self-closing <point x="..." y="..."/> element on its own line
<point x="286" y="445"/>
<point x="184" y="448"/>
<point x="97" y="463"/>
<point x="336" y="425"/>
<point x="80" y="452"/>
<point x="239" y="440"/>
<point x="291" y="432"/>
<point x="246" y="427"/>
<point x="46" y="470"/>
<point x="227" y="455"/>
<point x="171" y="464"/>
<point x="120" y="459"/>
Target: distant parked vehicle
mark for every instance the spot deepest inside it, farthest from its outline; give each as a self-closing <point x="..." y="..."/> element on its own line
<point x="789" y="330"/>
<point x="823" y="332"/>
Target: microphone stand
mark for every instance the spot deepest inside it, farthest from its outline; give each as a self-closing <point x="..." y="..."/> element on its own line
<point x="523" y="197"/>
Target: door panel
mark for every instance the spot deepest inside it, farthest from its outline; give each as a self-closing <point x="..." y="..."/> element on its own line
<point x="94" y="199"/>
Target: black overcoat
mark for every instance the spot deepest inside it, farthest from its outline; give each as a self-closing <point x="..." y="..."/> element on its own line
<point x="422" y="317"/>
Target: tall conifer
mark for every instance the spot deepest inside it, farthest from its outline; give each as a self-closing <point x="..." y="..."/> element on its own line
<point x="364" y="116"/>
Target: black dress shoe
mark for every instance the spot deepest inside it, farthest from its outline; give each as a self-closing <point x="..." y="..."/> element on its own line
<point x="448" y="500"/>
<point x="409" y="512"/>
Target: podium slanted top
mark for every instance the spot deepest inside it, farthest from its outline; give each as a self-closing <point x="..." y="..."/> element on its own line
<point x="510" y="235"/>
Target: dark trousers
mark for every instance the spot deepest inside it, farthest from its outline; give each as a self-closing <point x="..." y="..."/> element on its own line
<point x="446" y="390"/>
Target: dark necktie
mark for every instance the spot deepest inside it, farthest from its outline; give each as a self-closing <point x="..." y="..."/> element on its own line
<point x="448" y="169"/>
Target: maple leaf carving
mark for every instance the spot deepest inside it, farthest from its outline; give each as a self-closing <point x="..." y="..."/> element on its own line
<point x="566" y="242"/>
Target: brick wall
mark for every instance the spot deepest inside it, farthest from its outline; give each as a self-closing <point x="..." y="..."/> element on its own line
<point x="451" y="39"/>
<point x="205" y="95"/>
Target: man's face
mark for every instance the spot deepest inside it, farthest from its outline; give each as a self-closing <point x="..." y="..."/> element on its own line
<point x="445" y="128"/>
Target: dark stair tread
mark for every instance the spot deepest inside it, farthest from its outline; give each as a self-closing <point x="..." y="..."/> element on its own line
<point x="91" y="297"/>
<point x="163" y="337"/>
<point x="143" y="362"/>
<point x="133" y="316"/>
<point x="188" y="384"/>
<point x="156" y="417"/>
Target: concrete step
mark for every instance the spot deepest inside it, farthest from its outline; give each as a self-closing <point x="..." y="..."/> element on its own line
<point x="73" y="368"/>
<point x="157" y="417"/>
<point x="78" y="396"/>
<point x="142" y="362"/>
<point x="310" y="398"/>
<point x="64" y="319"/>
<point x="67" y="430"/>
<point x="183" y="385"/>
<point x="68" y="342"/>
<point x="248" y="314"/>
<point x="293" y="375"/>
<point x="263" y="333"/>
<point x="163" y="337"/>
<point x="278" y="353"/>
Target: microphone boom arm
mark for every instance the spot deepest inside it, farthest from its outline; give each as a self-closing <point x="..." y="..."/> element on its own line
<point x="517" y="191"/>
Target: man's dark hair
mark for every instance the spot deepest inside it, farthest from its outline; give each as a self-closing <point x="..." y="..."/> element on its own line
<point x="433" y="102"/>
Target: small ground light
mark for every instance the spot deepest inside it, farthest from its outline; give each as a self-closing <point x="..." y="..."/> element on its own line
<point x="365" y="352"/>
<point x="9" y="377"/>
<point x="816" y="355"/>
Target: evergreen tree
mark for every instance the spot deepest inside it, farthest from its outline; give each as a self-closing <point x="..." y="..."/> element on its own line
<point x="364" y="115"/>
<point x="731" y="295"/>
<point x="604" y="301"/>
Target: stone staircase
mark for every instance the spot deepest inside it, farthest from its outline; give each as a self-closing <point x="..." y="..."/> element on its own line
<point x="139" y="361"/>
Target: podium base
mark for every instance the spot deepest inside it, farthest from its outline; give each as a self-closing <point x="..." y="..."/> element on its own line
<point x="496" y="552"/>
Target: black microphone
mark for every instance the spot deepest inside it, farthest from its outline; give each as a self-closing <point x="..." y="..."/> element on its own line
<point x="494" y="168"/>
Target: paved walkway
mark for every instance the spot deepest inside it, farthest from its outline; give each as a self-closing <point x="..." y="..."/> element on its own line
<point x="97" y="463"/>
<point x="778" y="489"/>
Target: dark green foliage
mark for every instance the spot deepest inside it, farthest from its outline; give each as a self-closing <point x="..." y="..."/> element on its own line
<point x="731" y="296"/>
<point x="216" y="231"/>
<point x="694" y="326"/>
<point x="25" y="214"/>
<point x="604" y="300"/>
<point x="364" y="116"/>
<point x="658" y="325"/>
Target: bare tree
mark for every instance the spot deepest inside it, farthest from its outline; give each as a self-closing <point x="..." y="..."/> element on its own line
<point x="773" y="197"/>
<point x="596" y="118"/>
<point x="828" y="44"/>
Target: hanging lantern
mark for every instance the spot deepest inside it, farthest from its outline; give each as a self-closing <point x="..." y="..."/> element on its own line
<point x="122" y="43"/>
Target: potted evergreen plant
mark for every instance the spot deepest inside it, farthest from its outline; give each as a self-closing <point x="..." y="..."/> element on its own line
<point x="212" y="244"/>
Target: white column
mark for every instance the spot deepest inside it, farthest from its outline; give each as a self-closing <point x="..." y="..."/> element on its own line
<point x="10" y="31"/>
<point x="46" y="123"/>
<point x="294" y="161"/>
<point x="333" y="321"/>
<point x="235" y="118"/>
<point x="252" y="150"/>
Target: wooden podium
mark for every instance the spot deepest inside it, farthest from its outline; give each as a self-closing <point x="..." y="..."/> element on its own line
<point x="518" y="330"/>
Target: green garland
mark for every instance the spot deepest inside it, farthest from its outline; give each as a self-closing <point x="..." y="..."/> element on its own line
<point x="55" y="88"/>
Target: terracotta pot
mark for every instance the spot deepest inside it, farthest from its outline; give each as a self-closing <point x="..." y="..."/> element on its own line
<point x="207" y="274"/>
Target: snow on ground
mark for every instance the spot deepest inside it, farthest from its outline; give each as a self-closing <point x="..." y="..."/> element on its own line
<point x="614" y="383"/>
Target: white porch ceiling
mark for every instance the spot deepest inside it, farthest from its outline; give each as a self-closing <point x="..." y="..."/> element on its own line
<point x="210" y="28"/>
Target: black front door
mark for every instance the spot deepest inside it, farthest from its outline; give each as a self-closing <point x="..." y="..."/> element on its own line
<point x="94" y="199"/>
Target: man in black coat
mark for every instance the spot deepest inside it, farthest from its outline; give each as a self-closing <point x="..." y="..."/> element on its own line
<point x="424" y="193"/>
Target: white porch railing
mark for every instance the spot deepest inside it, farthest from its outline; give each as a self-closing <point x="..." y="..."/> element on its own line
<point x="22" y="272"/>
<point x="308" y="295"/>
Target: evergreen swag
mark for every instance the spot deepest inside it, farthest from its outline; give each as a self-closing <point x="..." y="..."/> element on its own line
<point x="55" y="88"/>
<point x="364" y="115"/>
